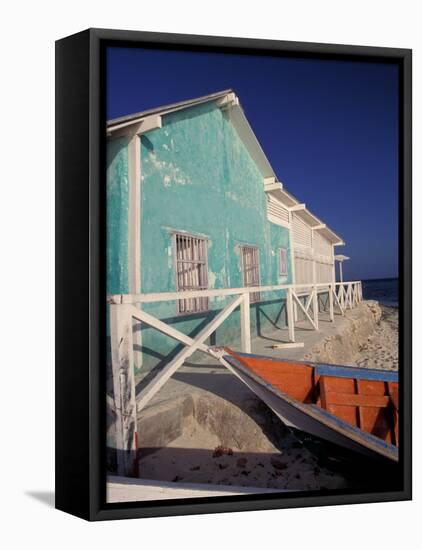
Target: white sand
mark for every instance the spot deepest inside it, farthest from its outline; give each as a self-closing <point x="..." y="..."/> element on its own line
<point x="381" y="349"/>
<point x="192" y="458"/>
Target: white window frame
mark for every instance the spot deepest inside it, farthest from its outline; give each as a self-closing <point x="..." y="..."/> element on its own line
<point x="282" y="261"/>
<point x="191" y="271"/>
<point x="251" y="271"/>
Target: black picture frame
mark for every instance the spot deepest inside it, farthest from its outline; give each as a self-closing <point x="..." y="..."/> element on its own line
<point x="80" y="273"/>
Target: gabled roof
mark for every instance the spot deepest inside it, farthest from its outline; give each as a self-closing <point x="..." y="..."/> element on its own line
<point x="227" y="100"/>
<point x="164" y="109"/>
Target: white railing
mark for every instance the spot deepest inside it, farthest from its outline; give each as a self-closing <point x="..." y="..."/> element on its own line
<point x="126" y="307"/>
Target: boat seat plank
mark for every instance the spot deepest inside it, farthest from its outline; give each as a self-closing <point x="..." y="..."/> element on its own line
<point x="357" y="400"/>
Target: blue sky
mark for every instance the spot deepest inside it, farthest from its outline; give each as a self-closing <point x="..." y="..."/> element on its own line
<point x="329" y="129"/>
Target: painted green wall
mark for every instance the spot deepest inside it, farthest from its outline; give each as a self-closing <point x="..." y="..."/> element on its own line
<point x="198" y="177"/>
<point x="117" y="216"/>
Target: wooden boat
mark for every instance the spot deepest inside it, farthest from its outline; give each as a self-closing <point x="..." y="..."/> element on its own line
<point x="349" y="406"/>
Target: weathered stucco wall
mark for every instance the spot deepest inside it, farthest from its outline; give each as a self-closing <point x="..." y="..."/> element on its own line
<point x="117" y="216"/>
<point x="198" y="177"/>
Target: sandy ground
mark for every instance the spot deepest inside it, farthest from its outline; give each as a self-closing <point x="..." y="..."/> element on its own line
<point x="197" y="457"/>
<point x="381" y="349"/>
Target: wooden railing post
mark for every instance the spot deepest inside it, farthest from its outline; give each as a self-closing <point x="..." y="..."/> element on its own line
<point x="290" y="315"/>
<point x="331" y="289"/>
<point x="124" y="389"/>
<point x="245" y="323"/>
<point x="315" y="307"/>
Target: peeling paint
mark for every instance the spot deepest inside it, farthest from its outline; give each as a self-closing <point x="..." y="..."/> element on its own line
<point x="117" y="185"/>
<point x="212" y="277"/>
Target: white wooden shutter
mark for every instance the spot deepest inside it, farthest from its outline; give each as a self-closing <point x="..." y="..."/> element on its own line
<point x="277" y="211"/>
<point x="302" y="233"/>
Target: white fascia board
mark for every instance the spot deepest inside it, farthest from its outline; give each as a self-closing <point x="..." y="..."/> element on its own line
<point x="228" y="101"/>
<point x="138" y="127"/>
<point x="151" y="123"/>
<point x="164" y="109"/>
<point x="273" y="188"/>
<point x="241" y="125"/>
<point x="310" y="219"/>
<point x="296" y="207"/>
<point x="271" y="180"/>
<point x="329" y="234"/>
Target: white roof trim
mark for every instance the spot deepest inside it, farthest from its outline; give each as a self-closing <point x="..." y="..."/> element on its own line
<point x="135" y="118"/>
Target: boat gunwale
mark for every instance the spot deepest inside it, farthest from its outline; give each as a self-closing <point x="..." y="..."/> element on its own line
<point x="347" y="371"/>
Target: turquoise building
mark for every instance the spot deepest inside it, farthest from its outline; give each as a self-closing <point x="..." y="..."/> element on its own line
<point x="193" y="203"/>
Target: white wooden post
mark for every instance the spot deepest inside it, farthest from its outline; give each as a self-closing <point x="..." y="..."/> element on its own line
<point x="331" y="289"/>
<point x="337" y="299"/>
<point x="290" y="315"/>
<point x="315" y="306"/>
<point x="124" y="388"/>
<point x="245" y="323"/>
<point x="134" y="233"/>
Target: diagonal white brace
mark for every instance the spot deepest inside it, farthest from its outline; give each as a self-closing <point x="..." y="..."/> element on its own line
<point x="304" y="310"/>
<point x="336" y="297"/>
<point x="166" y="329"/>
<point x="159" y="380"/>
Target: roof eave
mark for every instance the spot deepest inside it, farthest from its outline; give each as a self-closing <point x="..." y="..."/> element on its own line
<point x="135" y="118"/>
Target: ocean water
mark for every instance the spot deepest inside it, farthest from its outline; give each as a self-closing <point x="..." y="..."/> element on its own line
<point x="385" y="291"/>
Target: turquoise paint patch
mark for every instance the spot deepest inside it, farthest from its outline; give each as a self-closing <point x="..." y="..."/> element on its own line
<point x="117" y="185"/>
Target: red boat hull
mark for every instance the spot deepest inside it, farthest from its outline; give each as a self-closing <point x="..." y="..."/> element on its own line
<point x="351" y="406"/>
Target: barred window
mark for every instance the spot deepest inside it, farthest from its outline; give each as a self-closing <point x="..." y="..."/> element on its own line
<point x="191" y="271"/>
<point x="250" y="269"/>
<point x="283" y="261"/>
